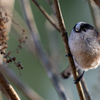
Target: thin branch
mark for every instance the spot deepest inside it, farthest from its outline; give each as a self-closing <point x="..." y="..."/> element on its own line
<point x="45" y="61"/>
<point x="25" y="89"/>
<point x="68" y="72"/>
<point x="65" y="40"/>
<point x="8" y="88"/>
<point x="46" y="15"/>
<point x="84" y="86"/>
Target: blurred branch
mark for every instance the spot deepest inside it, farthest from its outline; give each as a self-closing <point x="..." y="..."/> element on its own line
<point x="27" y="91"/>
<point x="95" y="14"/>
<point x="53" y="40"/>
<point x="4" y="92"/>
<point x="97" y="2"/>
<point x="52" y="6"/>
<point x="45" y="60"/>
<point x="8" y="88"/>
<point x="1" y="98"/>
<point x="46" y="15"/>
<point x="65" y="40"/>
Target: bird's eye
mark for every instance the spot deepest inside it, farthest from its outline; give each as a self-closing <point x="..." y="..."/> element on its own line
<point x="84" y="29"/>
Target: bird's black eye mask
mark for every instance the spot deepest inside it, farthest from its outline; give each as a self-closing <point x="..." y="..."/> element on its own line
<point x="83" y="27"/>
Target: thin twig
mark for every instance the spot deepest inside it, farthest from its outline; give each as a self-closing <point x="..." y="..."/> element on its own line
<point x="65" y="40"/>
<point x="84" y="86"/>
<point x="25" y="89"/>
<point x="9" y="89"/>
<point x="46" y="15"/>
<point x="45" y="61"/>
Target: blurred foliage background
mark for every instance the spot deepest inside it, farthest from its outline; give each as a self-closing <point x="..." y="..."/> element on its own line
<point x="33" y="73"/>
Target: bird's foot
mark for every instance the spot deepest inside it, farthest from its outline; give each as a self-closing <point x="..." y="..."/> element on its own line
<point x="79" y="78"/>
<point x="68" y="55"/>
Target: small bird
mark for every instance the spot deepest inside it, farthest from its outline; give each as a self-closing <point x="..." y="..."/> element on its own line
<point x="84" y="44"/>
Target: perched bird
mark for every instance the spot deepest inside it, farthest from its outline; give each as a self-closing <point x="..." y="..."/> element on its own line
<point x="84" y="43"/>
